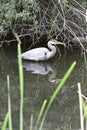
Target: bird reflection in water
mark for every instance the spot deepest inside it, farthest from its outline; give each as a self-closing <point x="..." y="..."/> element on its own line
<point x="42" y="69"/>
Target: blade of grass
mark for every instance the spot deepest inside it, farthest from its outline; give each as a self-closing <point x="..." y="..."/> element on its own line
<point x="55" y="93"/>
<point x="80" y="106"/>
<point x="58" y="88"/>
<point x="21" y="86"/>
<point x="5" y="122"/>
<point x="85" y="60"/>
<point x="84" y="105"/>
<point x="31" y="122"/>
<point x="41" y="112"/>
<point x="9" y="104"/>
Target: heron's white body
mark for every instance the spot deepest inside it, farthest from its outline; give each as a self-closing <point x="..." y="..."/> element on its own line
<point x="38" y="54"/>
<point x="41" y="53"/>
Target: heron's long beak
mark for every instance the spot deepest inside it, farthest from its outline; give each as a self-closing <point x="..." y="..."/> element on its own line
<point x="60" y="43"/>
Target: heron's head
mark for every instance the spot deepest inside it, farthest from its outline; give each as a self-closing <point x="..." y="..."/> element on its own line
<point x="55" y="42"/>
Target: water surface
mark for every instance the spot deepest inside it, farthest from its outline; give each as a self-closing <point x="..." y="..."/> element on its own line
<point x="40" y="80"/>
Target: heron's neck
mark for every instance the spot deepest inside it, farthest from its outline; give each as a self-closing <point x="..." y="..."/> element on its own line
<point x="52" y="48"/>
<point x="52" y="51"/>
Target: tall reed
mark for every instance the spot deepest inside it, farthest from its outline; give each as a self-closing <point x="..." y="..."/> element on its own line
<point x="9" y="104"/>
<point x="5" y="122"/>
<point x="85" y="60"/>
<point x="82" y="108"/>
<point x="21" y="80"/>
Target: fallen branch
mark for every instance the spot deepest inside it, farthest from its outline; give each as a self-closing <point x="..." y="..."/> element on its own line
<point x="17" y="37"/>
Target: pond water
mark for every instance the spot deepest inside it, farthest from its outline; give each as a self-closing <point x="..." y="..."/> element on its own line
<point x="40" y="80"/>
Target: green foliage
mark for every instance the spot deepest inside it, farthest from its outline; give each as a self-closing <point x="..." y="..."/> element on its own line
<point x="60" y="19"/>
<point x="23" y="16"/>
<point x="9" y="15"/>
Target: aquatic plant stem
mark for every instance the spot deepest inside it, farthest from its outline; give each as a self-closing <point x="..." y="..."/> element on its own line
<point x="9" y="104"/>
<point x="61" y="85"/>
<point x="31" y="122"/>
<point x="21" y="86"/>
<point x="80" y="106"/>
<point x="41" y="113"/>
<point x="85" y="59"/>
<point x="5" y="122"/>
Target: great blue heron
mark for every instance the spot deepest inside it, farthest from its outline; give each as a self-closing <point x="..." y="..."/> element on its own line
<point x="42" y="53"/>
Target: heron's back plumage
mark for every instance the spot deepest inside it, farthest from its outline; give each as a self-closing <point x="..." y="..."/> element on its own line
<point x="36" y="54"/>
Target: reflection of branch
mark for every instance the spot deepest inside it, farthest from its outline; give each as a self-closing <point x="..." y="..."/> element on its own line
<point x="17" y="37"/>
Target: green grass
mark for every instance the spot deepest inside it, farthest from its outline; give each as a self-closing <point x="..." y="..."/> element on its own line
<point x="85" y="60"/>
<point x="5" y="122"/>
<point x="9" y="104"/>
<point x="41" y="112"/>
<point x="31" y="122"/>
<point x="82" y="108"/>
<point x="8" y="117"/>
<point x="21" y="80"/>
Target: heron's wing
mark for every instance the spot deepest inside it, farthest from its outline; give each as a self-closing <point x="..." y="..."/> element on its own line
<point x="36" y="54"/>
